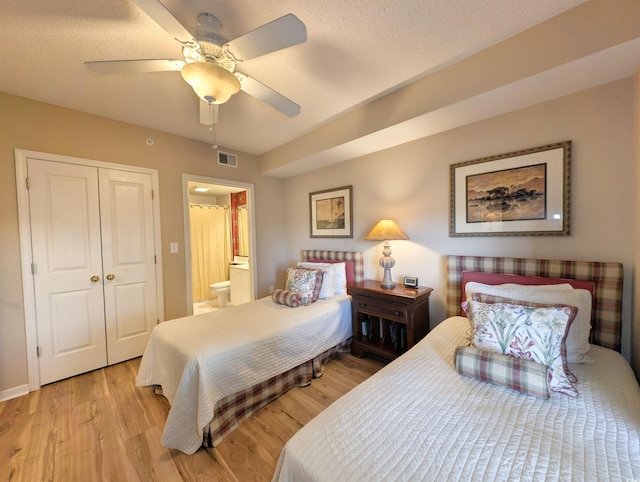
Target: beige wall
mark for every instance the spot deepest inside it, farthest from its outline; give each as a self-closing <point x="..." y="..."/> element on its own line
<point x="26" y="124"/>
<point x="410" y="183"/>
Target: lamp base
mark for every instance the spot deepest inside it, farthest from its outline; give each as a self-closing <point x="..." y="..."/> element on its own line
<point x="387" y="282"/>
<point x="387" y="262"/>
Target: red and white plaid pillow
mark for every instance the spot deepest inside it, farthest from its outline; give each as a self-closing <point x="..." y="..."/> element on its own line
<point x="519" y="374"/>
<point x="288" y="298"/>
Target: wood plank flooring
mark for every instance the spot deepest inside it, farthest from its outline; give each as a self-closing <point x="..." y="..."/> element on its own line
<point x="100" y="427"/>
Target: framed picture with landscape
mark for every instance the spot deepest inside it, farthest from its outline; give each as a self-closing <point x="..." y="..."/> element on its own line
<point x="523" y="193"/>
<point x="330" y="213"/>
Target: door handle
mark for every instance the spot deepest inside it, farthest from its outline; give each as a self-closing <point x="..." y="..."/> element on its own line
<point x="95" y="279"/>
<point x="111" y="277"/>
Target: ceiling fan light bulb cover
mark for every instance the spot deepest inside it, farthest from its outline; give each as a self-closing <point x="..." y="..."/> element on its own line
<point x="211" y="80"/>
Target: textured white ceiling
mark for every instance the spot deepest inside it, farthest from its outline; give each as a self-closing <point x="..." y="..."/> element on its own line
<point x="356" y="51"/>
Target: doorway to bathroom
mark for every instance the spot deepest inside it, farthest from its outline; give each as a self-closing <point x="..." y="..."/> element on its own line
<point x="219" y="246"/>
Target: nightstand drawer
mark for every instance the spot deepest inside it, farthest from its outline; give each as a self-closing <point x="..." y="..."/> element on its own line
<point x="390" y="311"/>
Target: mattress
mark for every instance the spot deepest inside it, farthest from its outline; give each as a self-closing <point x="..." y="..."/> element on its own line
<point x="417" y="419"/>
<point x="199" y="360"/>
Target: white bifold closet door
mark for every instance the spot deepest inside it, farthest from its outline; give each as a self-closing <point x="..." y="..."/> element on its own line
<point x="94" y="265"/>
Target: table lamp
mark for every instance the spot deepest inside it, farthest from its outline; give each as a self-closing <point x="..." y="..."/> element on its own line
<point x="386" y="230"/>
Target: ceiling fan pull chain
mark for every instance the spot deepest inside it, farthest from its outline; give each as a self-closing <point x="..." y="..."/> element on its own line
<point x="212" y="130"/>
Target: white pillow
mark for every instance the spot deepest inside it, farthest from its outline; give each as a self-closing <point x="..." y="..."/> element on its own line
<point x="475" y="287"/>
<point x="341" y="278"/>
<point x="328" y="282"/>
<point x="578" y="337"/>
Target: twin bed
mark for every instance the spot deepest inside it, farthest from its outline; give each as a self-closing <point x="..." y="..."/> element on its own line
<point x="419" y="419"/>
<point x="218" y="368"/>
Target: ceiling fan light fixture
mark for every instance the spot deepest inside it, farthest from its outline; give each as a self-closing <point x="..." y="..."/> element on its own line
<point x="210" y="80"/>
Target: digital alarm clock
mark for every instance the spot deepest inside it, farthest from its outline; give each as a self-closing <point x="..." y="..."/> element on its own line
<point x="410" y="282"/>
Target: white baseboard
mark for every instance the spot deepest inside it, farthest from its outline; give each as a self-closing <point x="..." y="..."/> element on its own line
<point x="14" y="392"/>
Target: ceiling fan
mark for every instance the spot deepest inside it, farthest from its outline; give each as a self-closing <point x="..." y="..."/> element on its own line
<point x="210" y="58"/>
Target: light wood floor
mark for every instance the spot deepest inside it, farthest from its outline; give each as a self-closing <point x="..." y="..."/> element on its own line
<point x="100" y="427"/>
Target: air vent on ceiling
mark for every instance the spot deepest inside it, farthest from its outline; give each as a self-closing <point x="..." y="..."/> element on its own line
<point x="227" y="159"/>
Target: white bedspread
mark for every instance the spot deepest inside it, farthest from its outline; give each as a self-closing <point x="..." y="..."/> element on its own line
<point x="418" y="420"/>
<point x="201" y="359"/>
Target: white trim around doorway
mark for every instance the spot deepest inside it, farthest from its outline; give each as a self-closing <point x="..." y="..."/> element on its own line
<point x="187" y="237"/>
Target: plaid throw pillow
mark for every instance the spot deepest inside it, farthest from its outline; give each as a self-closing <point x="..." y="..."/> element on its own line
<point x="525" y="376"/>
<point x="288" y="298"/>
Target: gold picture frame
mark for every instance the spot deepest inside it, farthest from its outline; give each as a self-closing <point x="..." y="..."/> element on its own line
<point x="522" y="193"/>
<point x="331" y="213"/>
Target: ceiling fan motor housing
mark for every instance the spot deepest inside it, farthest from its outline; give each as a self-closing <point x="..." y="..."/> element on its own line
<point x="210" y="41"/>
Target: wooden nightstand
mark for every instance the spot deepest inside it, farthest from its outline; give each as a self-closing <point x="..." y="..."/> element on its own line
<point x="388" y="322"/>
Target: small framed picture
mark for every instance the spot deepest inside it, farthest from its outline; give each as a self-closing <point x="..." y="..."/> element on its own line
<point x="330" y="213"/>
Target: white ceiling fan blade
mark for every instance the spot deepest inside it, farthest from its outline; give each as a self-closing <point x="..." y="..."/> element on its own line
<point x="135" y="66"/>
<point x="281" y="33"/>
<point x="208" y="113"/>
<point x="165" y="19"/>
<point x="267" y="95"/>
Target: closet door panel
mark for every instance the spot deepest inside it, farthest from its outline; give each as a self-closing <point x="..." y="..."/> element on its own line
<point x="128" y="262"/>
<point x="66" y="250"/>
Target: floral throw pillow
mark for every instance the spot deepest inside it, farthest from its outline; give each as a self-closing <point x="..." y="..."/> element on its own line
<point x="578" y="338"/>
<point x="302" y="281"/>
<point x="532" y="333"/>
<point x="317" y="289"/>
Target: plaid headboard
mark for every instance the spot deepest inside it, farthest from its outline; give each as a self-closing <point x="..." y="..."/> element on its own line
<point x="606" y="318"/>
<point x="356" y="256"/>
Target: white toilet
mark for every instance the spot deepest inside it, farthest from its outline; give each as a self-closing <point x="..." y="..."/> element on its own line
<point x="221" y="291"/>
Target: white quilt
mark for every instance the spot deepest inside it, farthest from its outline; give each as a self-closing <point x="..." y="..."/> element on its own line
<point x="418" y="420"/>
<point x="201" y="359"/>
